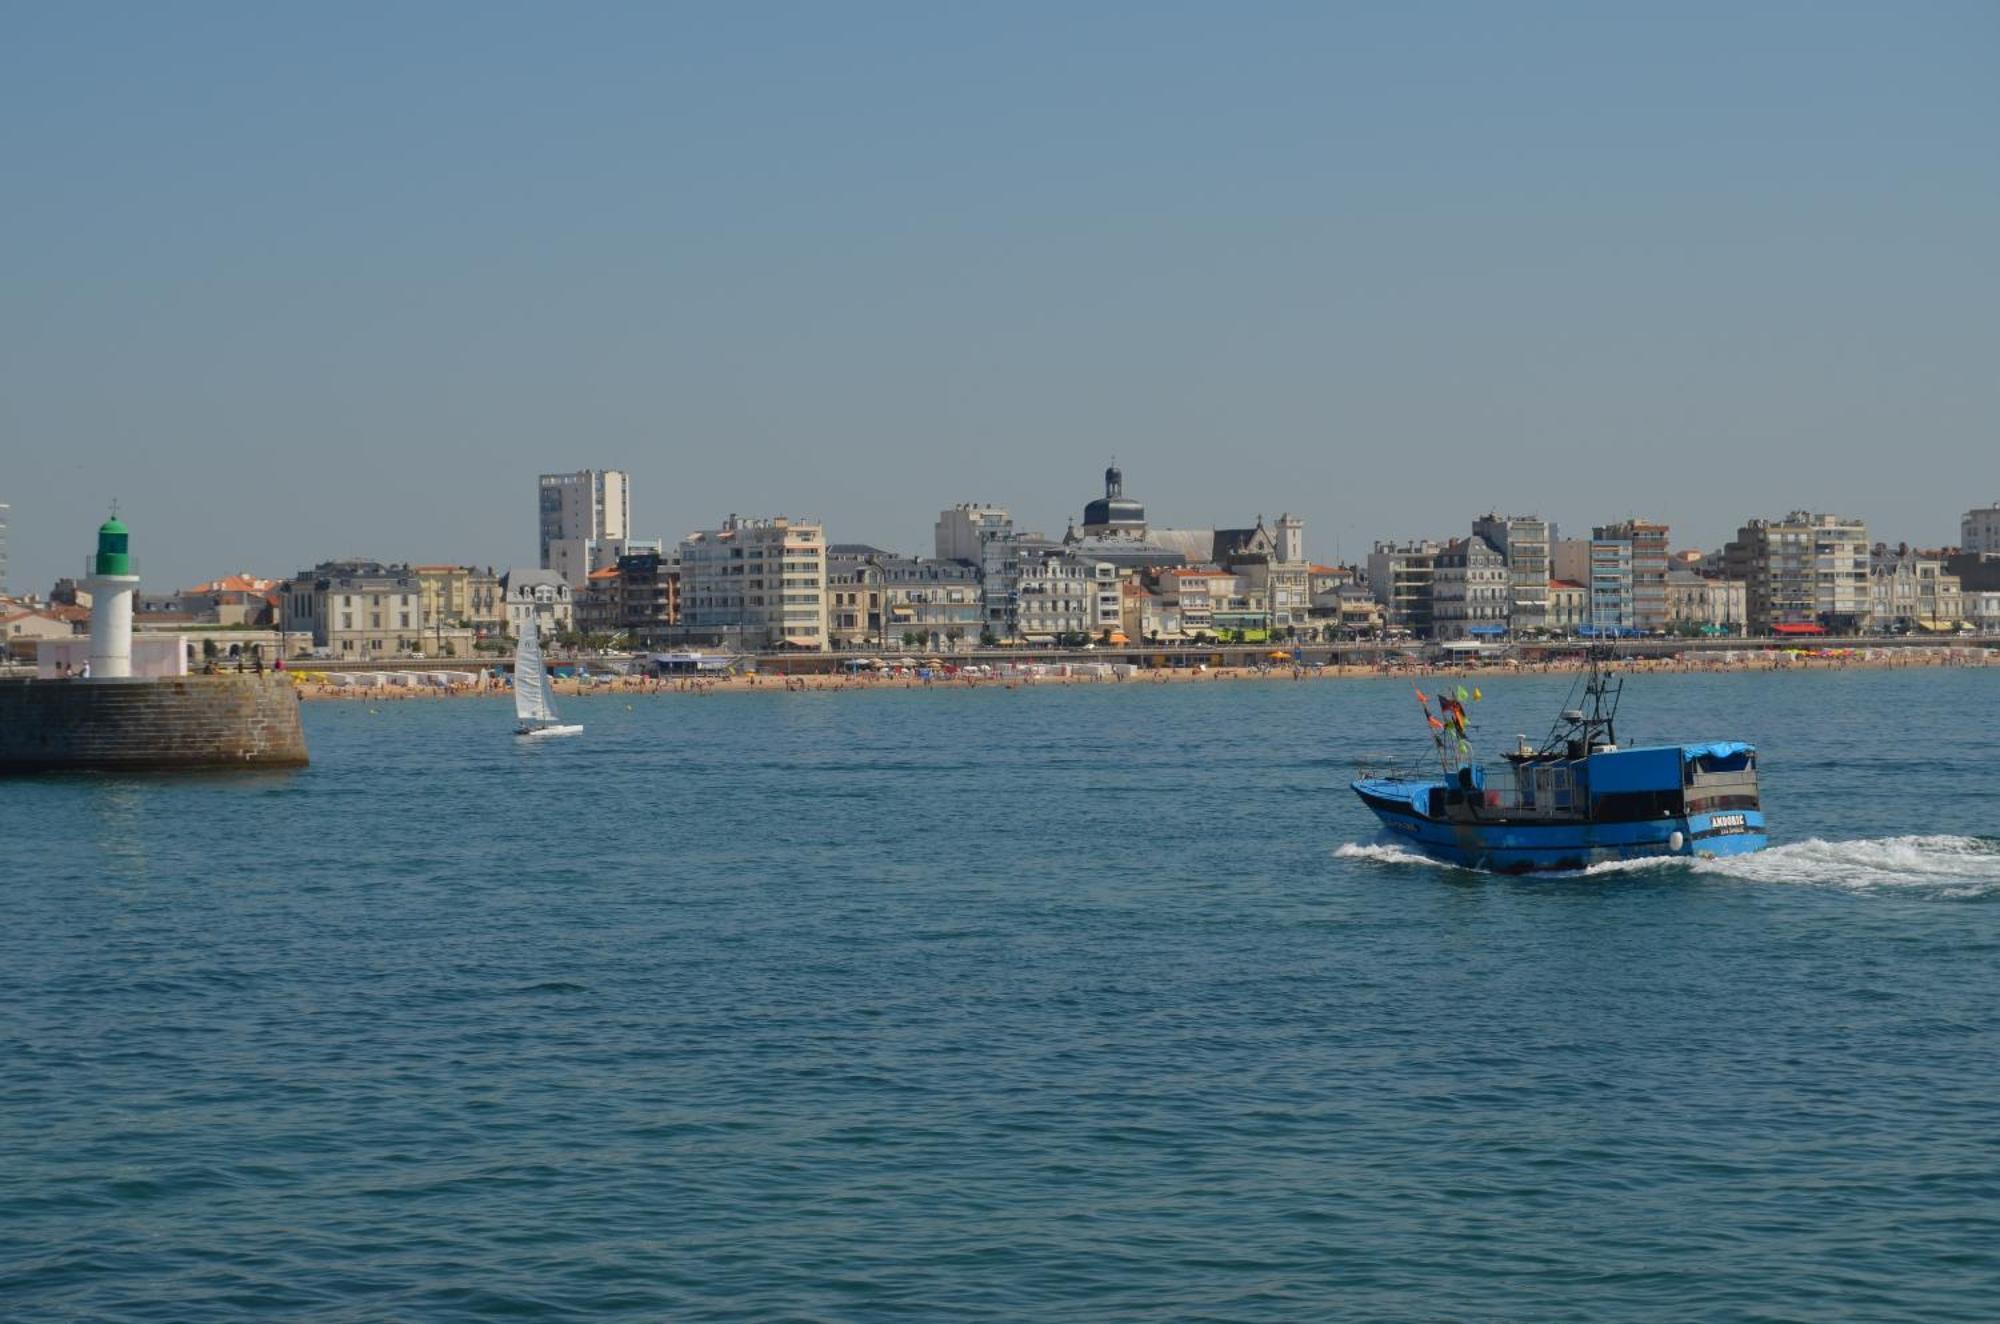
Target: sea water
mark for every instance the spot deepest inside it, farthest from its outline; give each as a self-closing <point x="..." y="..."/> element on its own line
<point x="1102" y="1002"/>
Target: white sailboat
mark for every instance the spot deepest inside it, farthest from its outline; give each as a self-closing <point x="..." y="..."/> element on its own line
<point x="532" y="704"/>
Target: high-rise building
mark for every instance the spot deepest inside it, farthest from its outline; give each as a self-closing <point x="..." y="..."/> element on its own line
<point x="1802" y="570"/>
<point x="586" y="519"/>
<point x="984" y="536"/>
<point x="1524" y="541"/>
<point x="1608" y="608"/>
<point x="3" y="546"/>
<point x="1979" y="531"/>
<point x="1648" y="557"/>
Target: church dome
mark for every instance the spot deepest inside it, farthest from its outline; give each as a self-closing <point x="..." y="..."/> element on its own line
<point x="1114" y="511"/>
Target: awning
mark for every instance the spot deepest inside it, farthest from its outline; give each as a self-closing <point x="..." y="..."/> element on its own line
<point x="1119" y="637"/>
<point x="1797" y="627"/>
<point x="1486" y="629"/>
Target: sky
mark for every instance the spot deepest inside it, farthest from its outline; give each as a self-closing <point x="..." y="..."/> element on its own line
<point x="292" y="283"/>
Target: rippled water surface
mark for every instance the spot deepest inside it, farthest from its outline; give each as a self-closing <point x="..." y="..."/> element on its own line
<point x="1091" y="1003"/>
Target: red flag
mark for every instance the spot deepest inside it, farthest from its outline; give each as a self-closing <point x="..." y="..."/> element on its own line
<point x="1436" y="725"/>
<point x="1422" y="698"/>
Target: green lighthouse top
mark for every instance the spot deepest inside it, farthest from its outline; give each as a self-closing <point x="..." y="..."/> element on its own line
<point x="113" y="548"/>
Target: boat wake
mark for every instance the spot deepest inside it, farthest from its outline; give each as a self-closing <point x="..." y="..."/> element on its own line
<point x="1949" y="868"/>
<point x="1383" y="852"/>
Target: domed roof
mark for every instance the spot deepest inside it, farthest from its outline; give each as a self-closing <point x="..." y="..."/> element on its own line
<point x="113" y="525"/>
<point x="1114" y="510"/>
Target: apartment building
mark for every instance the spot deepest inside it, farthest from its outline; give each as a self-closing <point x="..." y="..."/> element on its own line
<point x="984" y="537"/>
<point x="1804" y="569"/>
<point x="1060" y="594"/>
<point x="1401" y="575"/>
<point x="1525" y="541"/>
<point x="542" y="594"/>
<point x="462" y="595"/>
<point x="1471" y="590"/>
<point x="1647" y="609"/>
<point x="638" y="598"/>
<point x="756" y="584"/>
<point x="586" y="520"/>
<point x="1911" y="590"/>
<point x="1704" y="603"/>
<point x="363" y="610"/>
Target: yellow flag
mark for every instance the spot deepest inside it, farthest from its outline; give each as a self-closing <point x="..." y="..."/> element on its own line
<point x="1476" y="695"/>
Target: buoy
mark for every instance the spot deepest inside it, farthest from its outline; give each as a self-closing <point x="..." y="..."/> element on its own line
<point x="1675" y="842"/>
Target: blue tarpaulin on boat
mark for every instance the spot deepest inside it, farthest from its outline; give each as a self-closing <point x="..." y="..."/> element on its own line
<point x="1720" y="755"/>
<point x="1717" y="749"/>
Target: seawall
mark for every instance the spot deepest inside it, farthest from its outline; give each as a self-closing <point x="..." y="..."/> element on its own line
<point x="182" y="723"/>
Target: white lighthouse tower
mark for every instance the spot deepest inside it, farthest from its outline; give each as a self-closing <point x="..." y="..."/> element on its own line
<point x="112" y="583"/>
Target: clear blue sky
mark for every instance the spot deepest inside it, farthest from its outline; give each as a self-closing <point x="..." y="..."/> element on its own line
<point x="295" y="282"/>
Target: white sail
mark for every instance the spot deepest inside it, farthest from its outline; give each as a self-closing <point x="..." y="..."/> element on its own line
<point x="531" y="680"/>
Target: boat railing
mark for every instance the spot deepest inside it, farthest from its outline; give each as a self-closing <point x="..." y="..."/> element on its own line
<point x="1530" y="790"/>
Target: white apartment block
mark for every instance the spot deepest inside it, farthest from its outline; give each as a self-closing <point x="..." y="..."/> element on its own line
<point x="586" y="520"/>
<point x="1525" y="541"/>
<point x="1061" y="594"/>
<point x="1979" y="531"/>
<point x="756" y="584"/>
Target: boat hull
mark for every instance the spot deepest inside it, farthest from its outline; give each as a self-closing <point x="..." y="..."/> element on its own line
<point x="544" y="732"/>
<point x="1517" y="847"/>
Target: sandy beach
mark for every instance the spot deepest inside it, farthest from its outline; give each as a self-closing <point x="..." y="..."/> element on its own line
<point x="314" y="685"/>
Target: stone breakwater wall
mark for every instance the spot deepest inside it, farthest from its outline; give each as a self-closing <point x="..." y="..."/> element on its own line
<point x="186" y="722"/>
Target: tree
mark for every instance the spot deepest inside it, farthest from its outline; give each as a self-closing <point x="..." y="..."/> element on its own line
<point x="987" y="638"/>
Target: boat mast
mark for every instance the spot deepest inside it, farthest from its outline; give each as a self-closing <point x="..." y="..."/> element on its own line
<point x="1581" y="729"/>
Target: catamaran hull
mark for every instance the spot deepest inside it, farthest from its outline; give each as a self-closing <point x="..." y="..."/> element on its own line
<point x="542" y="732"/>
<point x="1554" y="847"/>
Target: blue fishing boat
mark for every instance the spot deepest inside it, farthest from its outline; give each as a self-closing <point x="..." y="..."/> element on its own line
<point x="1576" y="800"/>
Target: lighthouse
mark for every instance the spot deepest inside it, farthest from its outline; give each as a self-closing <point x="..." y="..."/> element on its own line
<point x="112" y="583"/>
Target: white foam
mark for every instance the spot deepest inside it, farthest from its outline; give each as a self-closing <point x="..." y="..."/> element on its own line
<point x="1382" y="852"/>
<point x="1948" y="866"/>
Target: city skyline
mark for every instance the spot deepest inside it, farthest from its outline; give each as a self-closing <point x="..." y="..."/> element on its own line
<point x="293" y="285"/>
<point x="163" y="554"/>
